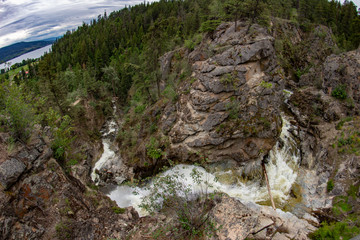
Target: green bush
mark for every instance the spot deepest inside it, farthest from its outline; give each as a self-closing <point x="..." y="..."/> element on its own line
<point x="330" y="185"/>
<point x="62" y="131"/>
<point x="152" y="149"/>
<point x="336" y="231"/>
<point x="16" y="110"/>
<point x="140" y="108"/>
<point x="339" y="92"/>
<point x="118" y="210"/>
<point x="209" y="26"/>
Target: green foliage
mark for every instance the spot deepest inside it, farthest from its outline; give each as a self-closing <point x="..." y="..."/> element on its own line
<point x="118" y="210"/>
<point x="233" y="107"/>
<point x="62" y="129"/>
<point x="342" y="122"/>
<point x="266" y="84"/>
<point x="209" y="26"/>
<point x="339" y="92"/>
<point x="336" y="231"/>
<point x="17" y="110"/>
<point x="139" y="109"/>
<point x="227" y="79"/>
<point x="72" y="162"/>
<point x="330" y="185"/>
<point x="153" y="150"/>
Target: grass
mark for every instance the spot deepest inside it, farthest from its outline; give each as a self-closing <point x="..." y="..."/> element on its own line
<point x="118" y="210"/>
<point x="14" y="72"/>
<point x="345" y="229"/>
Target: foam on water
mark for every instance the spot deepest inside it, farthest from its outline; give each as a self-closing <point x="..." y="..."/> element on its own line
<point x="280" y="169"/>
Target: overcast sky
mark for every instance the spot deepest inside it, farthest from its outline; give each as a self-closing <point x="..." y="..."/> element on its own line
<point x="28" y="20"/>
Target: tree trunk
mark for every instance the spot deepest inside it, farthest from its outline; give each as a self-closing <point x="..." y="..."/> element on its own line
<point x="268" y="186"/>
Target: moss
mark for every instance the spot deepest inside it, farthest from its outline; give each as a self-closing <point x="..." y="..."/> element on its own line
<point x="118" y="210"/>
<point x="330" y="185"/>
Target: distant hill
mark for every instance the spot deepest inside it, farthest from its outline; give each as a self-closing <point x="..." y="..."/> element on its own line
<point x="17" y="49"/>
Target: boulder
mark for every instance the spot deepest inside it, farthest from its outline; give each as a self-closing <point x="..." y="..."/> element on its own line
<point x="10" y="171"/>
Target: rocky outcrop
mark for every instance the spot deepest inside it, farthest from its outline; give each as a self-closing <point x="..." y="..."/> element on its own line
<point x="232" y="221"/>
<point x="239" y="221"/>
<point x="343" y="71"/>
<point x="229" y="109"/>
<point x="39" y="199"/>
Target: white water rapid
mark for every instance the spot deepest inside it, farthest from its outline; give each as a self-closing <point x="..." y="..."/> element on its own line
<point x="281" y="170"/>
<point x="108" y="154"/>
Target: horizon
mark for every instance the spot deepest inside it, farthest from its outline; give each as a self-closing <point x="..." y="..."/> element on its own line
<point x="36" y="20"/>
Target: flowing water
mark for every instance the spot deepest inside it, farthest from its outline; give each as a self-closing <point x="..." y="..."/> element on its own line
<point x="281" y="169"/>
<point x="109" y="155"/>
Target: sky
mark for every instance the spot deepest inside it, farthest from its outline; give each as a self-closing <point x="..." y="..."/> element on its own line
<point x="29" y="20"/>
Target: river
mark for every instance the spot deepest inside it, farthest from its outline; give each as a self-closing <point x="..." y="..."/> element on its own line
<point x="30" y="55"/>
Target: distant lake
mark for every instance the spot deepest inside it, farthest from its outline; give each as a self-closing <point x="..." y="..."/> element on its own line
<point x="33" y="54"/>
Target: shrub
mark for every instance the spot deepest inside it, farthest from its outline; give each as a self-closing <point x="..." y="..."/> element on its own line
<point x="330" y="185"/>
<point x="152" y="149"/>
<point x="118" y="210"/>
<point x="18" y="114"/>
<point x="62" y="131"/>
<point x="140" y="108"/>
<point x="338" y="230"/>
<point x="209" y="26"/>
<point x="266" y="84"/>
<point x="339" y="92"/>
<point x="64" y="230"/>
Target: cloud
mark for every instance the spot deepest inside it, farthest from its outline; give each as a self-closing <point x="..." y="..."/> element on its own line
<point x="28" y="20"/>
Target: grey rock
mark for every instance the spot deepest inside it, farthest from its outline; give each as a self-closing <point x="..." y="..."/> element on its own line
<point x="213" y="120"/>
<point x="10" y="171"/>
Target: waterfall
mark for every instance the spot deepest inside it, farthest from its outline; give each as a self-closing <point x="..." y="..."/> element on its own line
<point x="108" y="155"/>
<point x="281" y="170"/>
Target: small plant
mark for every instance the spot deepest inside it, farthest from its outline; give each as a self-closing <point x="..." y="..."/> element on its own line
<point x="72" y="162"/>
<point x="152" y="149"/>
<point x="209" y="26"/>
<point x="140" y="109"/>
<point x="233" y="108"/>
<point x="330" y="185"/>
<point x="118" y="210"/>
<point x="64" y="230"/>
<point x="266" y="84"/>
<point x="339" y="92"/>
<point x="227" y="79"/>
<point x="338" y="230"/>
<point x="342" y="122"/>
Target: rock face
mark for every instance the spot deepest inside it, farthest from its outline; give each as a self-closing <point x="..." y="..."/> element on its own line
<point x="239" y="221"/>
<point x="344" y="70"/>
<point x="40" y="200"/>
<point x="229" y="110"/>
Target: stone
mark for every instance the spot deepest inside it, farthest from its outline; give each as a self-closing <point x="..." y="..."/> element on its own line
<point x="10" y="171"/>
<point x="235" y="219"/>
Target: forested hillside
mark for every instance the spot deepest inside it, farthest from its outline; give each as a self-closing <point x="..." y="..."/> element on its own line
<point x="115" y="52"/>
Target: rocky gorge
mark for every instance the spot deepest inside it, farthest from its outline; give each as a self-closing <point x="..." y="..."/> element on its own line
<point x="237" y="105"/>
